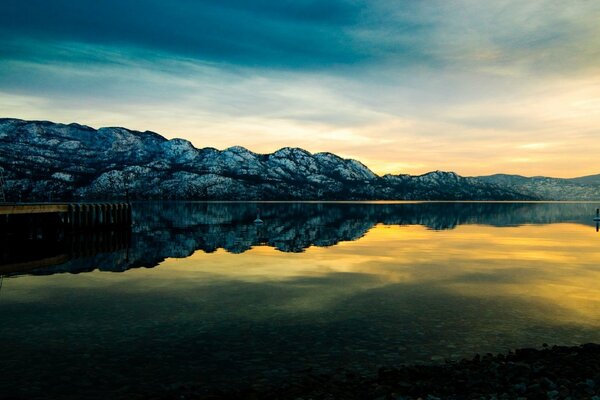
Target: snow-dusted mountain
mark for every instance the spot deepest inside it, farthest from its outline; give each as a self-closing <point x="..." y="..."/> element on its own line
<point x="44" y="160"/>
<point x="583" y="188"/>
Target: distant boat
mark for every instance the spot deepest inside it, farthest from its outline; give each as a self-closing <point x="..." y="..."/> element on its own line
<point x="597" y="218"/>
<point x="258" y="220"/>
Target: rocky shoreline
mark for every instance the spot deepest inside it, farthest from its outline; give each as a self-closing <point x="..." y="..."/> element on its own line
<point x="557" y="372"/>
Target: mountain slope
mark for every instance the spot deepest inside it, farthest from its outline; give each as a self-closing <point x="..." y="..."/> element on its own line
<point x="583" y="188"/>
<point x="45" y="160"/>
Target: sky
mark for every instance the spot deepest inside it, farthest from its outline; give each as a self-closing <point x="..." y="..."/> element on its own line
<point x="404" y="86"/>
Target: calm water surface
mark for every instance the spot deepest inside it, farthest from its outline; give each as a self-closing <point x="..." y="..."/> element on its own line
<point x="200" y="296"/>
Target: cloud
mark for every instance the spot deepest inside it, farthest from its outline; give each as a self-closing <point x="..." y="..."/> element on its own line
<point x="512" y="37"/>
<point x="259" y="33"/>
<point x="498" y="37"/>
<point x="403" y="86"/>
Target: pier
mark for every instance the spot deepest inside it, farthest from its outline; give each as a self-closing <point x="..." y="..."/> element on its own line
<point x="38" y="235"/>
<point x="24" y="255"/>
<point x="69" y="216"/>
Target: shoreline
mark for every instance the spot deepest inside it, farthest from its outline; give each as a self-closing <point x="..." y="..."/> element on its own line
<point x="557" y="372"/>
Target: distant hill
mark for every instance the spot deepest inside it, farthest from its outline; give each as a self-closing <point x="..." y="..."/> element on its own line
<point x="44" y="160"/>
<point x="587" y="180"/>
<point x="584" y="188"/>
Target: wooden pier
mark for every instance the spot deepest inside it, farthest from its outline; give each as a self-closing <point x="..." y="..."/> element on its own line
<point x="70" y="216"/>
<point x="19" y="255"/>
<point x="37" y="235"/>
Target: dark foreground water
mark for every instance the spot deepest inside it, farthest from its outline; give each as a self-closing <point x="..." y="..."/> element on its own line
<point x="197" y="295"/>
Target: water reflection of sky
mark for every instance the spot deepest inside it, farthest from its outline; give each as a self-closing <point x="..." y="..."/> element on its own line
<point x="398" y="294"/>
<point x="557" y="264"/>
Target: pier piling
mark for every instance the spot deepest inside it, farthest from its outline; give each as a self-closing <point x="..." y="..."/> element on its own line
<point x="68" y="216"/>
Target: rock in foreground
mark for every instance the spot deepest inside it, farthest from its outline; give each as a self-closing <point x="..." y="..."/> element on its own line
<point x="550" y="373"/>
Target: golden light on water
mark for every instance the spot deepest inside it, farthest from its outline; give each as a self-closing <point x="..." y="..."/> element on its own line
<point x="534" y="263"/>
<point x="557" y="265"/>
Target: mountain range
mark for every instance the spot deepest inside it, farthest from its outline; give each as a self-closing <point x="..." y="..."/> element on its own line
<point x="50" y="161"/>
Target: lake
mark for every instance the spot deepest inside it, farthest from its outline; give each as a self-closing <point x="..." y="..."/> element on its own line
<point x="198" y="295"/>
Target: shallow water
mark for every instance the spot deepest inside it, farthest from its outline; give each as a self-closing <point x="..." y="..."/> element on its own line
<point x="317" y="286"/>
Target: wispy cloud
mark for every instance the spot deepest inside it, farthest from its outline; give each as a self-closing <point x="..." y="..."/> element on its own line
<point x="404" y="86"/>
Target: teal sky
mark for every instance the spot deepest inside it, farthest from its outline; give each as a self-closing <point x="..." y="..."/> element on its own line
<point x="404" y="86"/>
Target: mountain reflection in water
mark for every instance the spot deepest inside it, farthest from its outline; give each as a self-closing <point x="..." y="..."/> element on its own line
<point x="316" y="287"/>
<point x="178" y="229"/>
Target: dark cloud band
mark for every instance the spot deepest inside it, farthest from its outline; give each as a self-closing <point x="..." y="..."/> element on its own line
<point x="261" y="33"/>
